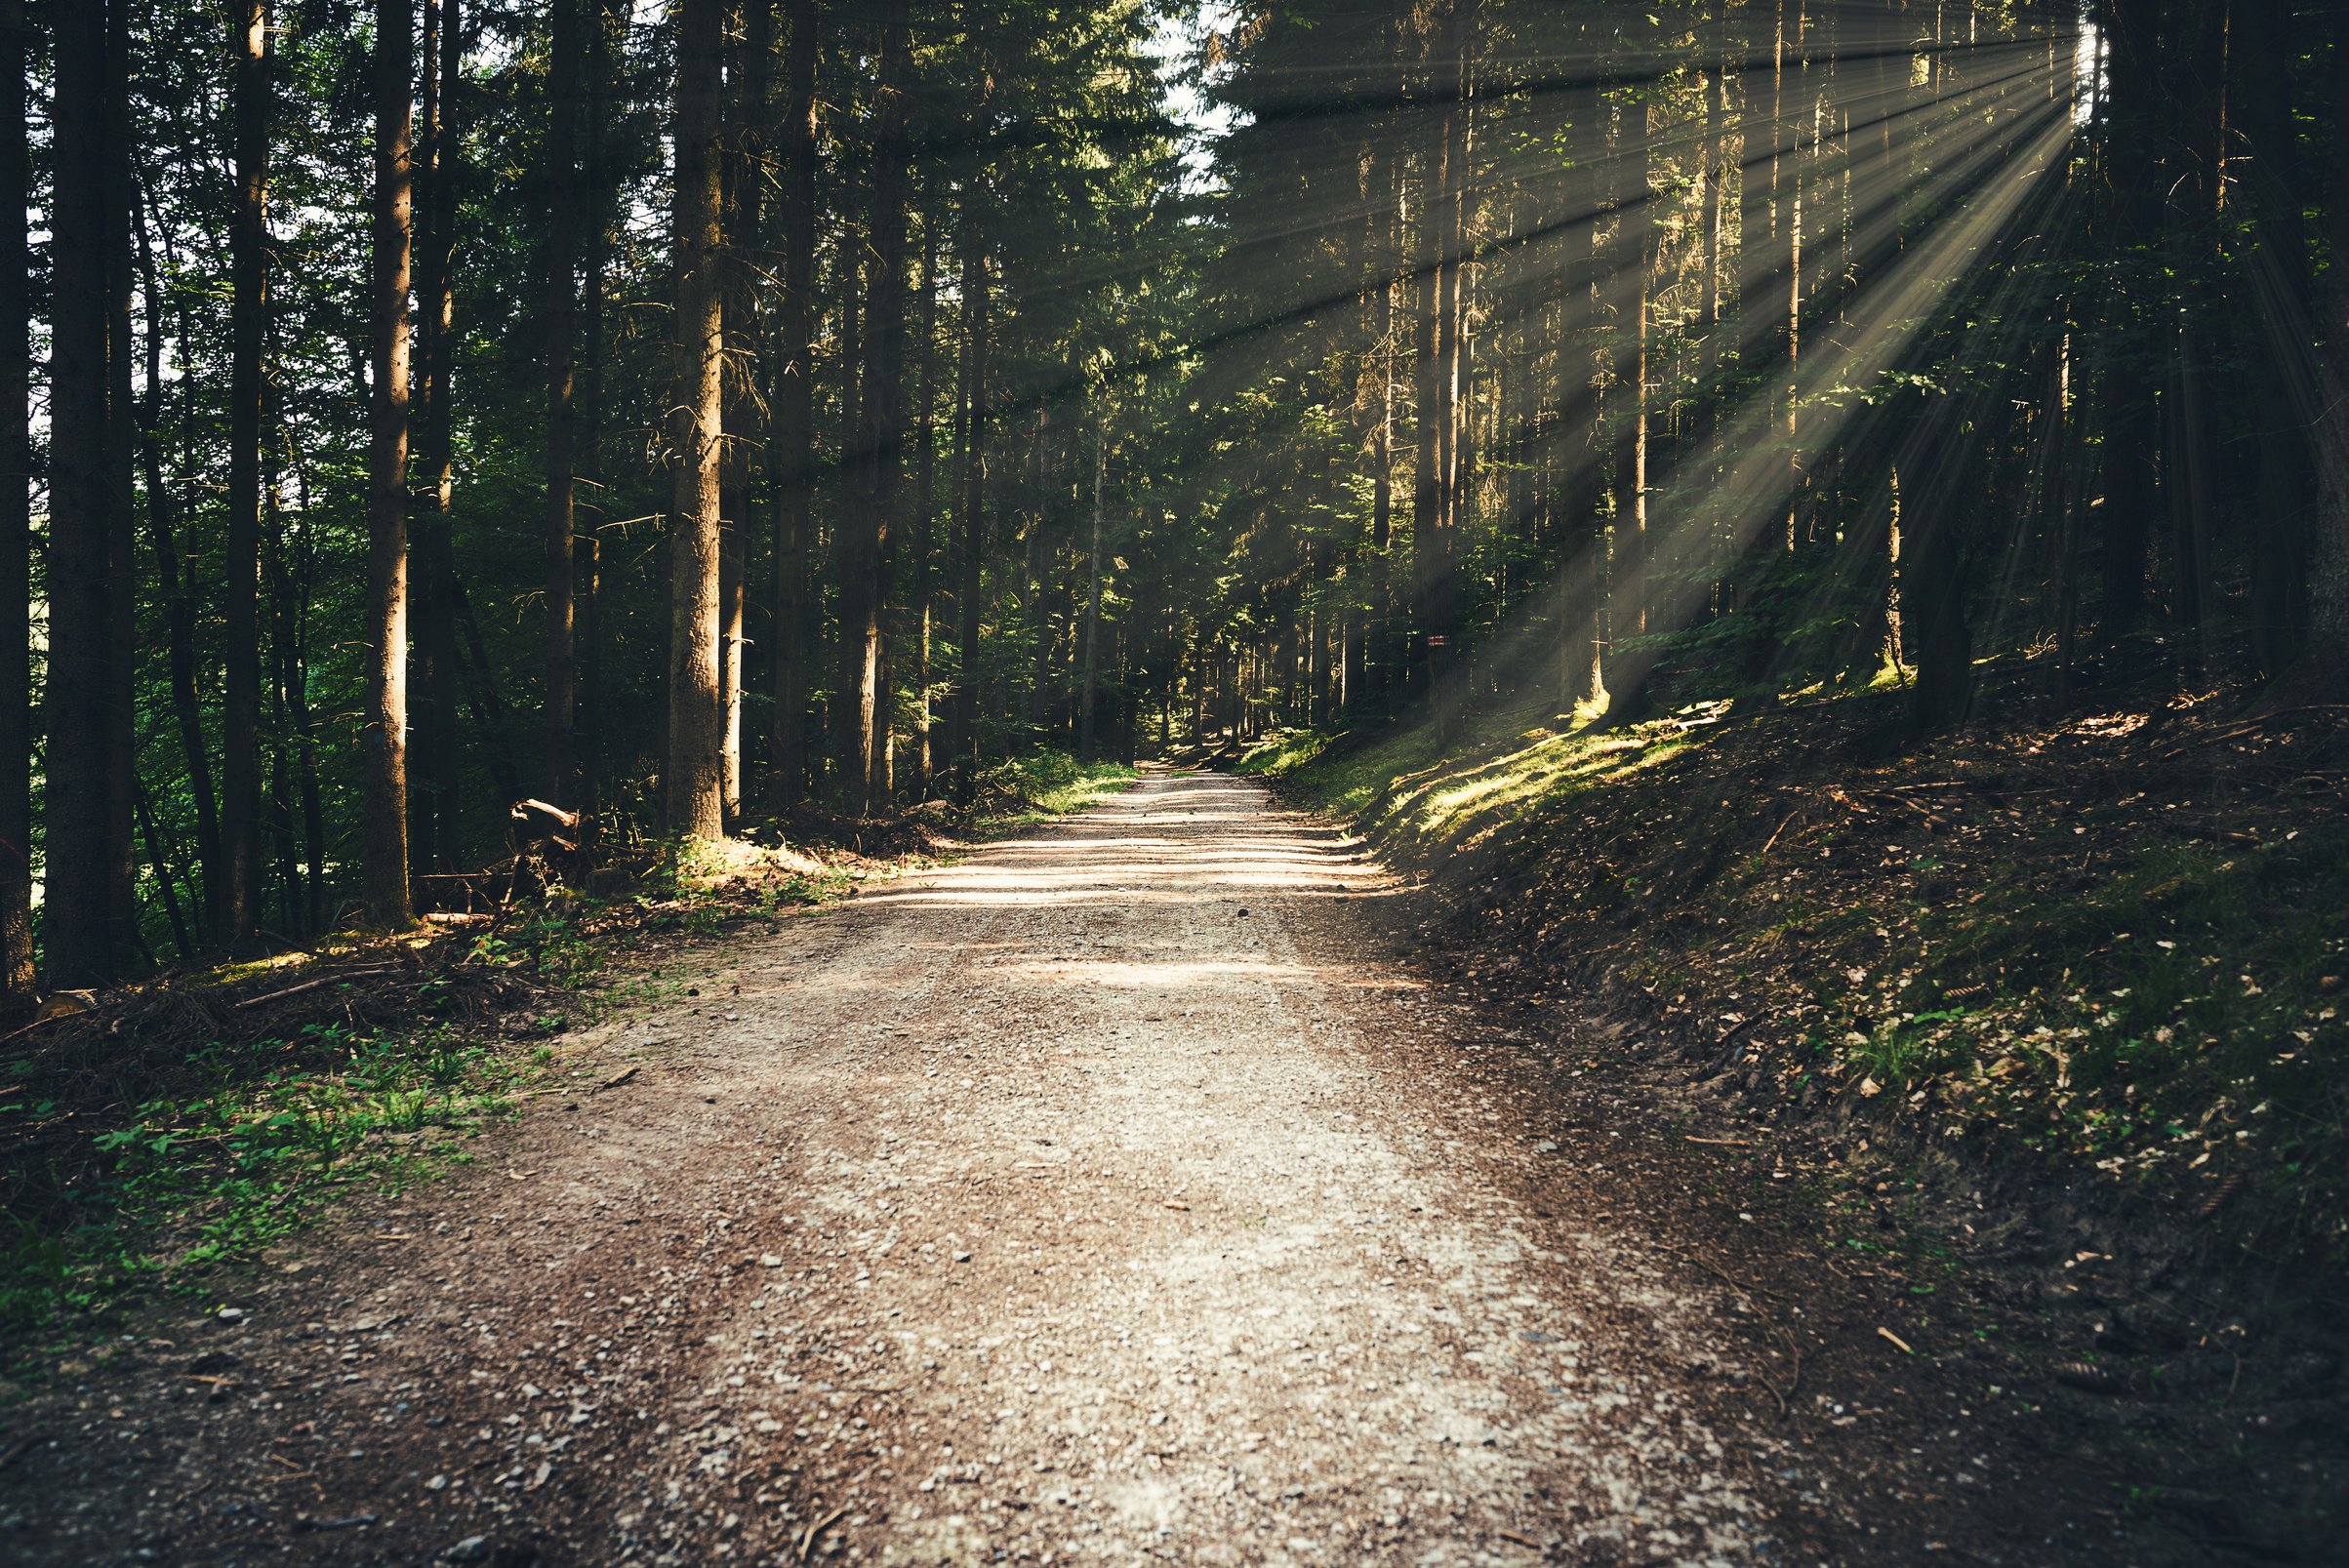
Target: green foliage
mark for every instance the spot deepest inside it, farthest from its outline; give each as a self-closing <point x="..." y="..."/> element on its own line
<point x="214" y="1175"/>
<point x="1045" y="783"/>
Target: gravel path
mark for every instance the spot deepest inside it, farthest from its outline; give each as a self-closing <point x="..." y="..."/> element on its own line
<point x="1110" y="1197"/>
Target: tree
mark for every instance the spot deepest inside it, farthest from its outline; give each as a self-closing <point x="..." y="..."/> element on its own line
<point x="18" y="978"/>
<point x="969" y="485"/>
<point x="561" y="265"/>
<point x="384" y="774"/>
<point x="2328" y="552"/>
<point x="436" y="594"/>
<point x="236" y="886"/>
<point x="694" y="778"/>
<point x="88" y="868"/>
<point x="792" y="426"/>
<point x="876" y="451"/>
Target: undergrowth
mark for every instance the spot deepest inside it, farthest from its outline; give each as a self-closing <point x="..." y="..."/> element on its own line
<point x="207" y="1178"/>
<point x="2116" y="940"/>
<point x="1027" y="789"/>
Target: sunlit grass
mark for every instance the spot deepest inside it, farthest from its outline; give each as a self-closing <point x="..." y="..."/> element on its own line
<point x="1403" y="785"/>
<point x="1043" y="785"/>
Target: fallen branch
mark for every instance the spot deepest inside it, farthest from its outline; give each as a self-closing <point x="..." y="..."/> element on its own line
<point x="807" y="1542"/>
<point x="313" y="985"/>
<point x="2237" y="731"/>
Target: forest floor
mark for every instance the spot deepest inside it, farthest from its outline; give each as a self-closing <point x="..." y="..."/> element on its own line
<point x="2046" y="1014"/>
<point x="1131" y="1190"/>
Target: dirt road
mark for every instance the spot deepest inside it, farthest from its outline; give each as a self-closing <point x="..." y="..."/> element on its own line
<point x="1114" y="1195"/>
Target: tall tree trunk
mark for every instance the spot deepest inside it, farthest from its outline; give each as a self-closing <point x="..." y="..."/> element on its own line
<point x="433" y="743"/>
<point x="17" y="978"/>
<point x="876" y="451"/>
<point x="236" y="884"/>
<point x="2328" y="544"/>
<point x="2133" y="437"/>
<point x="1934" y="593"/>
<point x="1037" y="572"/>
<point x="131" y="949"/>
<point x="85" y="854"/>
<point x="970" y="487"/>
<point x="1456" y="434"/>
<point x="925" y="466"/>
<point x="793" y="464"/>
<point x="561" y="264"/>
<point x="745" y="188"/>
<point x="2262" y="110"/>
<point x="1438" y="489"/>
<point x="1380" y="655"/>
<point x="1636" y="547"/>
<point x="587" y="414"/>
<point x="384" y="764"/>
<point x="1430" y="408"/>
<point x="1084" y="711"/>
<point x="694" y="777"/>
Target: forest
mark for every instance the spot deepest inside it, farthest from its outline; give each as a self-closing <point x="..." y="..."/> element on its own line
<point x="1815" y="532"/>
<point x="883" y="398"/>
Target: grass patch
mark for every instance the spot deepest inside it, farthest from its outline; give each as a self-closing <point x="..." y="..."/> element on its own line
<point x="215" y="1174"/>
<point x="1041" y="785"/>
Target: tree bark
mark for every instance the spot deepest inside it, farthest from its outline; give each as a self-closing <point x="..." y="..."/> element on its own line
<point x="694" y="778"/>
<point x="970" y="498"/>
<point x="86" y="856"/>
<point x="2261" y="109"/>
<point x="2133" y="434"/>
<point x="433" y="741"/>
<point x="18" y="978"/>
<point x="925" y="465"/>
<point x="385" y="762"/>
<point x="131" y="949"/>
<point x="1629" y="698"/>
<point x="1438" y="489"/>
<point x="1084" y="711"/>
<point x="744" y="190"/>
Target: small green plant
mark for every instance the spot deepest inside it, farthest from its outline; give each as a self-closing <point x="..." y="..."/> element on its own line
<point x="205" y="1178"/>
